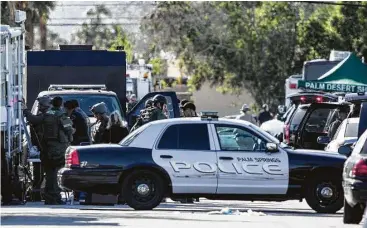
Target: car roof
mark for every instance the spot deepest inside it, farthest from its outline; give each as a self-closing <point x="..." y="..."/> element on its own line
<point x="352" y="120"/>
<point x="309" y="93"/>
<point x="355" y="96"/>
<point x="199" y="120"/>
<point x="71" y="91"/>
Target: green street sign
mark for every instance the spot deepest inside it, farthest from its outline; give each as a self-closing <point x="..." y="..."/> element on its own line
<point x="331" y="87"/>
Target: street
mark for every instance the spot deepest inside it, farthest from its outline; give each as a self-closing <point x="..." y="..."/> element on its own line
<point x="287" y="214"/>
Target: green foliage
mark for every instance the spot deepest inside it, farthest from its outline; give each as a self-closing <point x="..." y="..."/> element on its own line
<point x="123" y="40"/>
<point x="102" y="36"/>
<point x="253" y="45"/>
<point x="159" y="66"/>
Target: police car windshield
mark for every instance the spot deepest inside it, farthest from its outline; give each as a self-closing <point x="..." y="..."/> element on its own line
<point x="86" y="101"/>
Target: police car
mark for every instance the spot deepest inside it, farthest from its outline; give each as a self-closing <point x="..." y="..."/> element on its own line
<point x="208" y="157"/>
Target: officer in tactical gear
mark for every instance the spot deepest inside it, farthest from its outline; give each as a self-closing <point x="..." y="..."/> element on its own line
<point x="189" y="110"/>
<point x="57" y="136"/>
<point x="100" y="113"/>
<point x="153" y="111"/>
<point x="79" y="123"/>
<point x="160" y="106"/>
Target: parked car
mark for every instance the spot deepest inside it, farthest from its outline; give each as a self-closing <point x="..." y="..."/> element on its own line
<point x="346" y="135"/>
<point x="313" y="120"/>
<point x="355" y="180"/>
<point x="209" y="157"/>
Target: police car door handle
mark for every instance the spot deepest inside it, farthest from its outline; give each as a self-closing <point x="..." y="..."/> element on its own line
<point x="225" y="158"/>
<point x="166" y="156"/>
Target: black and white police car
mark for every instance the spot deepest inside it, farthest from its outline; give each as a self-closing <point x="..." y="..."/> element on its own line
<point x="207" y="157"/>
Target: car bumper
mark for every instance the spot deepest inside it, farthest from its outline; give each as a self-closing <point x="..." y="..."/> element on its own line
<point x="355" y="192"/>
<point x="88" y="181"/>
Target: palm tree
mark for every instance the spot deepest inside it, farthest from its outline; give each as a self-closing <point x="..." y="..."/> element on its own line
<point x="37" y="14"/>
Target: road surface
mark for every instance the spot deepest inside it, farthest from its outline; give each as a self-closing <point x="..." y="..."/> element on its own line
<point x="290" y="214"/>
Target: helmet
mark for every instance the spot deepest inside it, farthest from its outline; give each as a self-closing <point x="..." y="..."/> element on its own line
<point x="99" y="108"/>
<point x="148" y="103"/>
<point x="189" y="105"/>
<point x="265" y="106"/>
<point x="245" y="107"/>
<point x="44" y="101"/>
<point x="183" y="102"/>
<point x="159" y="99"/>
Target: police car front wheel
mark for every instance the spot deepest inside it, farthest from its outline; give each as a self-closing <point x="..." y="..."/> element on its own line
<point x="143" y="190"/>
<point x="325" y="196"/>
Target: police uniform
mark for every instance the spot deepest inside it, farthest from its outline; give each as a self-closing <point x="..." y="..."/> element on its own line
<point x="58" y="134"/>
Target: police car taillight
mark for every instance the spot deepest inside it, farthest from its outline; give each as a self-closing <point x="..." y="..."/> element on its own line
<point x="72" y="159"/>
<point x="360" y="169"/>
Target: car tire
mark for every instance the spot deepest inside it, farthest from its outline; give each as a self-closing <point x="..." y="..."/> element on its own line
<point x="319" y="197"/>
<point x="143" y="190"/>
<point x="352" y="215"/>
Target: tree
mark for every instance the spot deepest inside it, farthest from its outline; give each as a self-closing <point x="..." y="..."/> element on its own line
<point x="37" y="14"/>
<point x="252" y="45"/>
<point x="94" y="32"/>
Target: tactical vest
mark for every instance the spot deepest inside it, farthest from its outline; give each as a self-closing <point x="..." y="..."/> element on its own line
<point x="57" y="127"/>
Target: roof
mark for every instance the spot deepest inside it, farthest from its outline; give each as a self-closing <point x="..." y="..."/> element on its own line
<point x="349" y="71"/>
<point x="317" y="93"/>
<point x="349" y="76"/>
<point x="199" y="120"/>
<point x="81" y="92"/>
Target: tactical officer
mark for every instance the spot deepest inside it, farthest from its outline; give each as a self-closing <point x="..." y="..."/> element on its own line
<point x="189" y="110"/>
<point x="153" y="111"/>
<point x="79" y="123"/>
<point x="100" y="113"/>
<point x="58" y="134"/>
<point x="160" y="106"/>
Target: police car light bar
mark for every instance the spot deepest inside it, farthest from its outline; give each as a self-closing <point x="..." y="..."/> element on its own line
<point x="76" y="87"/>
<point x="209" y="115"/>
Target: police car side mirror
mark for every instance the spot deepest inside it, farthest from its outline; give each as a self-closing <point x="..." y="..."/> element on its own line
<point x="271" y="147"/>
<point x="345" y="150"/>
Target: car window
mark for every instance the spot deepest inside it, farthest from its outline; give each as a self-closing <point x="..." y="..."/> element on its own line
<point x="297" y="118"/>
<point x="132" y="136"/>
<point x="185" y="137"/>
<point x="317" y="120"/>
<point x="351" y="130"/>
<point x="361" y="147"/>
<point x="233" y="138"/>
<point x="86" y="101"/>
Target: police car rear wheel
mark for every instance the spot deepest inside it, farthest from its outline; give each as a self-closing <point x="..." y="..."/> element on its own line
<point x="325" y="196"/>
<point x="143" y="190"/>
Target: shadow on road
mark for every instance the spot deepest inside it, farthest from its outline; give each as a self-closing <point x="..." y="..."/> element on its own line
<point x="18" y="220"/>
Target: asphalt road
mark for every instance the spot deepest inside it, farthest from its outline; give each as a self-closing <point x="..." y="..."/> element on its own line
<point x="290" y="214"/>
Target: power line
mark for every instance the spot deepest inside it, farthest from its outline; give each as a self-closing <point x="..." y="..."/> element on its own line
<point x="335" y="3"/>
<point x="95" y="24"/>
<point x="86" y="18"/>
<point x="112" y="4"/>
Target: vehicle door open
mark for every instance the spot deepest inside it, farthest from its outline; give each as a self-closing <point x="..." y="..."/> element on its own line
<point x="172" y="106"/>
<point x="316" y="122"/>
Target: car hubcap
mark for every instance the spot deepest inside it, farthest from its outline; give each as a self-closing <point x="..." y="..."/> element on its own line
<point x="143" y="189"/>
<point x="327" y="192"/>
